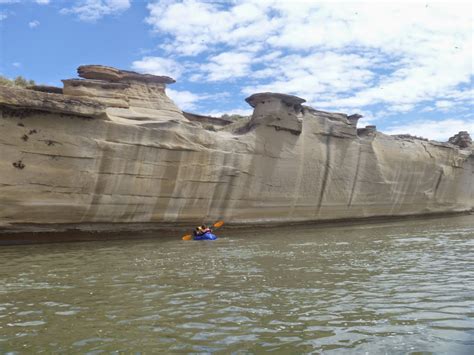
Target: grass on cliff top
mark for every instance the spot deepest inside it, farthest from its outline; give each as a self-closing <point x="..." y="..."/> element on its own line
<point x="19" y="81"/>
<point x="234" y="117"/>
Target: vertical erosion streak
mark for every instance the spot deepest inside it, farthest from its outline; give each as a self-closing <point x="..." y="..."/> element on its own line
<point x="177" y="200"/>
<point x="219" y="195"/>
<point x="135" y="212"/>
<point x="356" y="177"/>
<point x="102" y="164"/>
<point x="299" y="178"/>
<point x="327" y="167"/>
<point x="403" y="188"/>
<point x="228" y="209"/>
<point x="438" y="182"/>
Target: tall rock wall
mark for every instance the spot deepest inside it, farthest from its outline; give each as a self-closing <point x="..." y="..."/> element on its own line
<point x="113" y="148"/>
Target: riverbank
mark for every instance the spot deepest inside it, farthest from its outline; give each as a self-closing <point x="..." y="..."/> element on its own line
<point x="33" y="234"/>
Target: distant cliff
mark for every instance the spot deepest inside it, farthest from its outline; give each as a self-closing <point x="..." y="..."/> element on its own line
<point x="113" y="148"/>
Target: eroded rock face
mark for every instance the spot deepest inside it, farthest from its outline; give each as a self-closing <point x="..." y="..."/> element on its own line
<point x="33" y="100"/>
<point x="131" y="98"/>
<point x="114" y="149"/>
<point x="111" y="94"/>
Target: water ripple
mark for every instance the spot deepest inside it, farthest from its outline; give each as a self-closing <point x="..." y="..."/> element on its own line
<point x="397" y="288"/>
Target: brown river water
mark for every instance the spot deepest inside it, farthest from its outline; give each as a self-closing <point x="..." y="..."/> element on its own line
<point x="395" y="287"/>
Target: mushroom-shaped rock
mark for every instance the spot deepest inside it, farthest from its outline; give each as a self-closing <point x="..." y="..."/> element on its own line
<point x="260" y="98"/>
<point x="353" y="119"/>
<point x="121" y="89"/>
<point x="111" y="93"/>
<point x="276" y="110"/>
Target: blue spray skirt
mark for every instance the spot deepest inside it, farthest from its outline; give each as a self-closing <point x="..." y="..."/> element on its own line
<point x="205" y="236"/>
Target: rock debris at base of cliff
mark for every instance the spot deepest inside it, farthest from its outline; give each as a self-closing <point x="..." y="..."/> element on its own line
<point x="113" y="148"/>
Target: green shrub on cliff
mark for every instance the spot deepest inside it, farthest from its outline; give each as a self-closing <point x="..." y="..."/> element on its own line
<point x="19" y="81"/>
<point x="233" y="117"/>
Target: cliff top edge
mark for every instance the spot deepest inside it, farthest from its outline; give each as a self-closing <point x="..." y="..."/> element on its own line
<point x="262" y="96"/>
<point x="102" y="72"/>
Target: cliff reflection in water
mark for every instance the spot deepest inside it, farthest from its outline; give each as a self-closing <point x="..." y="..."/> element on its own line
<point x="394" y="287"/>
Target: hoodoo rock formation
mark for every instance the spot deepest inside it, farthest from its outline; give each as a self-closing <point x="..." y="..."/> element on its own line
<point x="113" y="149"/>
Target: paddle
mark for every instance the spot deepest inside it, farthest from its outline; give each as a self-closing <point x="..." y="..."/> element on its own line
<point x="218" y="224"/>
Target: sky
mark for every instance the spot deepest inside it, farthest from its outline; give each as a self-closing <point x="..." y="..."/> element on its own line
<point x="406" y="66"/>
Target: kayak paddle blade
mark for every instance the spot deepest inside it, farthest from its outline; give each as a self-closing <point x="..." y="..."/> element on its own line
<point x="218" y="224"/>
<point x="188" y="237"/>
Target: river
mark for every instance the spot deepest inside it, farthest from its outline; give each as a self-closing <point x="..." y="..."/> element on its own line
<point x="396" y="287"/>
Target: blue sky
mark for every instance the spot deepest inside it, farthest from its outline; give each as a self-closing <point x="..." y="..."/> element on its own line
<point x="406" y="66"/>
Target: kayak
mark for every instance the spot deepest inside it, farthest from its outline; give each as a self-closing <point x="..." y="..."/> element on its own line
<point x="205" y="236"/>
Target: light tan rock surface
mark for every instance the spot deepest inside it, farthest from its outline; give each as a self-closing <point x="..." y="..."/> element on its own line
<point x="115" y="149"/>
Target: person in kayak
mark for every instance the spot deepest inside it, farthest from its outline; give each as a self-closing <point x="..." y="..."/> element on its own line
<point x="203" y="233"/>
<point x="201" y="230"/>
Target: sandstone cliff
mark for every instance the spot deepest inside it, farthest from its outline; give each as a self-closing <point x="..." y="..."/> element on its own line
<point x="113" y="148"/>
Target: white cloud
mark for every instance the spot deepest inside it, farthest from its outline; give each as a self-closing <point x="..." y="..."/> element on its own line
<point x="227" y="65"/>
<point x="437" y="130"/>
<point x="16" y="64"/>
<point x="42" y="2"/>
<point x="462" y="95"/>
<point x="316" y="75"/>
<point x="364" y="122"/>
<point x="185" y="100"/>
<point x="235" y="111"/>
<point x="352" y="56"/>
<point x="93" y="10"/>
<point x="196" y="25"/>
<point x="158" y="66"/>
<point x="427" y="55"/>
<point x="3" y="15"/>
<point x="444" y="104"/>
<point x="401" y="108"/>
<point x="34" y="23"/>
